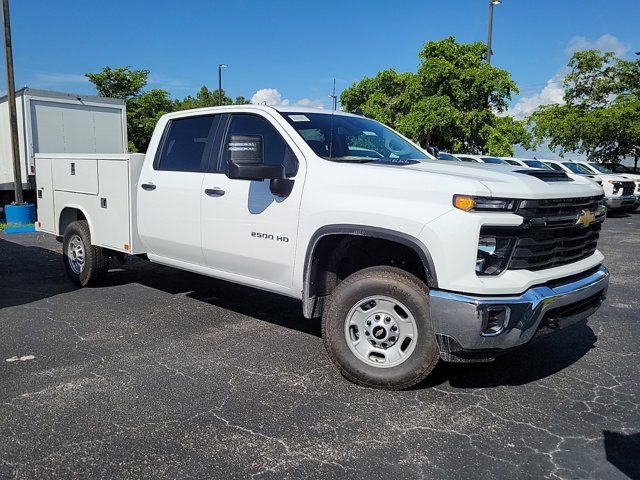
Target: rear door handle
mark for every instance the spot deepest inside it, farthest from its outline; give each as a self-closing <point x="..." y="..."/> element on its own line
<point x="148" y="186"/>
<point x="214" y="192"/>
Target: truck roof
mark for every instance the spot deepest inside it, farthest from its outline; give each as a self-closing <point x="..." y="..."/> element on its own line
<point x="265" y="108"/>
<point x="51" y="94"/>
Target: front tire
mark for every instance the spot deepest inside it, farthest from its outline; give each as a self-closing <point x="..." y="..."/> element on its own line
<point x="377" y="329"/>
<point x="85" y="263"/>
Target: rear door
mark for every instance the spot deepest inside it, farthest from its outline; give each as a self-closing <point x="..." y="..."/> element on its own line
<point x="170" y="190"/>
<point x="246" y="229"/>
<point x="44" y="188"/>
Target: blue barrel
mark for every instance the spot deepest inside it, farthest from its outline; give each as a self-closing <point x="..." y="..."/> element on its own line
<point x="20" y="214"/>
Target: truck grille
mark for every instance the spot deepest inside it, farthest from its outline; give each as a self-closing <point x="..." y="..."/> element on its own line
<point x="549" y="236"/>
<point x="628" y="188"/>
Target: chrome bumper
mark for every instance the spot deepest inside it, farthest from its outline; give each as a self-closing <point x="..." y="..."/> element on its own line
<point x="462" y="322"/>
<point x="621" y="202"/>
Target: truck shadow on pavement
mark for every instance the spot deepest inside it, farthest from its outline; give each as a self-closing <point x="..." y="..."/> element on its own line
<point x="29" y="274"/>
<point x="533" y="362"/>
<point x="265" y="306"/>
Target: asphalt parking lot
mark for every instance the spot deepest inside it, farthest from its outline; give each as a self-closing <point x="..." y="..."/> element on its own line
<point x="162" y="373"/>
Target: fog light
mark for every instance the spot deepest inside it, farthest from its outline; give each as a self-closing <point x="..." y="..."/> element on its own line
<point x="493" y="254"/>
<point x="495" y="320"/>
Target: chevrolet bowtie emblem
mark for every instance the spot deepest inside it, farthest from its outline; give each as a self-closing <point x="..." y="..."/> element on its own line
<point x="585" y="218"/>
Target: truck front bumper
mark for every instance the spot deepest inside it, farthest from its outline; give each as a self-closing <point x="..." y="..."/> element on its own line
<point x="478" y="328"/>
<point x="615" y="203"/>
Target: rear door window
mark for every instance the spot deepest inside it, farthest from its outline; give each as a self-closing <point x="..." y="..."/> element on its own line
<point x="187" y="144"/>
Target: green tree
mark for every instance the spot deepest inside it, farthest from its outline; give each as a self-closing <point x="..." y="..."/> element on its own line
<point x="143" y="108"/>
<point x="119" y="82"/>
<point x="143" y="113"/>
<point x="204" y="98"/>
<point x="453" y="101"/>
<point x="601" y="113"/>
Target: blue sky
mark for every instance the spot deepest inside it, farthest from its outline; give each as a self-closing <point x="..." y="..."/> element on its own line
<point x="297" y="47"/>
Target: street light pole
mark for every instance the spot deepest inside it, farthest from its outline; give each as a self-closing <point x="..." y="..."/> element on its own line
<point x="220" y="67"/>
<point x="492" y="3"/>
<point x="13" y="115"/>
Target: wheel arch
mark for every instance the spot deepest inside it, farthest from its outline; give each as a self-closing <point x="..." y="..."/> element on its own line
<point x="72" y="213"/>
<point x="311" y="306"/>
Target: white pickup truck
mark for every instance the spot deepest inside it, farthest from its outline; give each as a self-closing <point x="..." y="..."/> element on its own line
<point x="407" y="259"/>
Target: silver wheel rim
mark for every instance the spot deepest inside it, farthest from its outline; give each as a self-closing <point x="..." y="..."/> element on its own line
<point x="381" y="331"/>
<point x="75" y="254"/>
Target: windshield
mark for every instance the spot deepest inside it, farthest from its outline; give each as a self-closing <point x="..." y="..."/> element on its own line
<point x="600" y="168"/>
<point x="537" y="164"/>
<point x="513" y="162"/>
<point x="575" y="168"/>
<point x="493" y="160"/>
<point x="353" y="139"/>
<point x="447" y="156"/>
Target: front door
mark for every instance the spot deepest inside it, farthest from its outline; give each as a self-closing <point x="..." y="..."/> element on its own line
<point x="246" y="230"/>
<point x="170" y="189"/>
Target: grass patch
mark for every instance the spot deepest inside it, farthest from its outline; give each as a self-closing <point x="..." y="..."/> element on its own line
<point x="6" y="225"/>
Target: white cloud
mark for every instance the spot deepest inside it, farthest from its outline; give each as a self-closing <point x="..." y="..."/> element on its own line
<point x="553" y="92"/>
<point x="606" y="43"/>
<point x="272" y="97"/>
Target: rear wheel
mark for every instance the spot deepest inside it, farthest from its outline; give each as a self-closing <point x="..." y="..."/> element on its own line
<point x="85" y="264"/>
<point x="377" y="331"/>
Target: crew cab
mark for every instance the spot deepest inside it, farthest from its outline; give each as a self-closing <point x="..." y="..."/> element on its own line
<point x="408" y="260"/>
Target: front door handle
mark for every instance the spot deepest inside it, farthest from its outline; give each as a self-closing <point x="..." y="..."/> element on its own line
<point x="214" y="192"/>
<point x="148" y="186"/>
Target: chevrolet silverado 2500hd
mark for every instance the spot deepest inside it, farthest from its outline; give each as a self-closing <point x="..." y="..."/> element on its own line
<point x="407" y="259"/>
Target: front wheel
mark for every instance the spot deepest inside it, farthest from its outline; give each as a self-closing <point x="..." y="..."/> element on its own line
<point x="85" y="264"/>
<point x="377" y="330"/>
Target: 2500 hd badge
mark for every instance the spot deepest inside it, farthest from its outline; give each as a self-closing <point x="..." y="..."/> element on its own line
<point x="270" y="236"/>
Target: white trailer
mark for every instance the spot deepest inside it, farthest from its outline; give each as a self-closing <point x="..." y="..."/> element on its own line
<point x="53" y="122"/>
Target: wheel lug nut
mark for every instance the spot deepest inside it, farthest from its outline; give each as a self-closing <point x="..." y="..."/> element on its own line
<point x="387" y="319"/>
<point x="373" y="343"/>
<point x="377" y="317"/>
<point x="392" y="339"/>
<point x="368" y="322"/>
<point x="394" y="328"/>
<point x="366" y="332"/>
<point x="384" y="345"/>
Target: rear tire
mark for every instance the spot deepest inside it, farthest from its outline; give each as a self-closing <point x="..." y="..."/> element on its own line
<point x="377" y="330"/>
<point x="85" y="263"/>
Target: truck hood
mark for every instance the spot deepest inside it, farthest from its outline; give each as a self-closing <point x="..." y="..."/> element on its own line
<point x="504" y="180"/>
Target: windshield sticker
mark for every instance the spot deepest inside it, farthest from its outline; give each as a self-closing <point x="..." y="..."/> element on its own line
<point x="371" y="134"/>
<point x="299" y="118"/>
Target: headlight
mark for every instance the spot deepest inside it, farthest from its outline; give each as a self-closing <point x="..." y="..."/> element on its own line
<point x="493" y="254"/>
<point x="484" y="204"/>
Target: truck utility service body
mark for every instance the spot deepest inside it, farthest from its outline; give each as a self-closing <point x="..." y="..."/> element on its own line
<point x="299" y="202"/>
<point x="52" y="122"/>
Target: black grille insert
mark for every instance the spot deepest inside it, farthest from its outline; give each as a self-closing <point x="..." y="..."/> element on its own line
<point x="550" y="235"/>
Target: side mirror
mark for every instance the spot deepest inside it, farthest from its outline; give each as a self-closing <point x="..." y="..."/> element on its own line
<point x="245" y="159"/>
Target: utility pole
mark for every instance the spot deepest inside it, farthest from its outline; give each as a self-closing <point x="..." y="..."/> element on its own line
<point x="492" y="3"/>
<point x="13" y="115"/>
<point x="334" y="97"/>
<point x="220" y="67"/>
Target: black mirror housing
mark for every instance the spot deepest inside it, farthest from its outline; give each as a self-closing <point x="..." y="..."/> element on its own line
<point x="254" y="171"/>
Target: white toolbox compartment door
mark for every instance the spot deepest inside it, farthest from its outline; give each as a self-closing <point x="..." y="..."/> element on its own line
<point x="75" y="175"/>
<point x="111" y="225"/>
<point x="44" y="188"/>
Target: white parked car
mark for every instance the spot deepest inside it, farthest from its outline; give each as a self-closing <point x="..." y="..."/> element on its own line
<point x="407" y="260"/>
<point x="526" y="162"/>
<point x="448" y="157"/>
<point x="601" y="170"/>
<point x="465" y="157"/>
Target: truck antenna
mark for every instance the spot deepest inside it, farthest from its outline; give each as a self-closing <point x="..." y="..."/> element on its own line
<point x="334" y="99"/>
